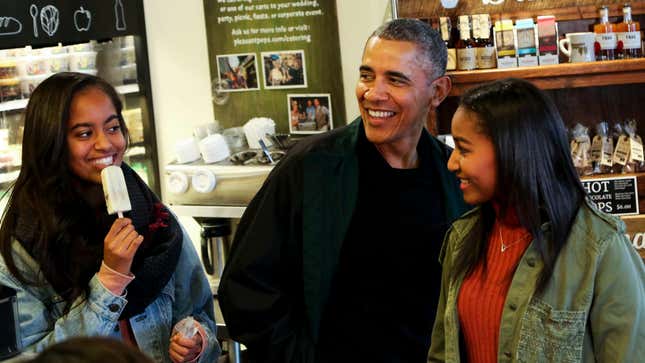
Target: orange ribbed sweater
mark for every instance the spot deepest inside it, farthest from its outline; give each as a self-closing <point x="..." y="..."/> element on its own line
<point x="482" y="295"/>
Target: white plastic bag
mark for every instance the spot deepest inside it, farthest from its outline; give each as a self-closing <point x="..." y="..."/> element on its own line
<point x="186" y="327"/>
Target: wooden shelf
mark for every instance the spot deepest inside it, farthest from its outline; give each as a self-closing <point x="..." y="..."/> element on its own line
<point x="566" y="75"/>
<point x="567" y="10"/>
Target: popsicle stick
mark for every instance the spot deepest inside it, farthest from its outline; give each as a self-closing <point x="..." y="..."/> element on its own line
<point x="120" y="214"/>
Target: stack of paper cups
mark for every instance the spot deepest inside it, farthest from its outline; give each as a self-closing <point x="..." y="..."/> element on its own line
<point x="186" y="150"/>
<point x="214" y="148"/>
<point x="256" y="129"/>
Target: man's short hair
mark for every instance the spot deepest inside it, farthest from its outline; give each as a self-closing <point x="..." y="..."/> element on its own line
<point x="428" y="41"/>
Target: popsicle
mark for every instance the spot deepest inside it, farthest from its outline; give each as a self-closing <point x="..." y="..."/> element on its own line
<point x="115" y="190"/>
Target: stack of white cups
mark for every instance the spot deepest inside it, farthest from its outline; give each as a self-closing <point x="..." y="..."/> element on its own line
<point x="256" y="129"/>
<point x="186" y="150"/>
<point x="214" y="148"/>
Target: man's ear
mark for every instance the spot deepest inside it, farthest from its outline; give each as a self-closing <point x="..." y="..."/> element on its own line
<point x="440" y="87"/>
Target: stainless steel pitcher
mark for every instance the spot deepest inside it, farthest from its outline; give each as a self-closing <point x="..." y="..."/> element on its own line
<point x="215" y="245"/>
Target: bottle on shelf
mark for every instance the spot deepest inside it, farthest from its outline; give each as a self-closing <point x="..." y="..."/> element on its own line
<point x="628" y="34"/>
<point x="605" y="36"/>
<point x="485" y="44"/>
<point x="445" y="25"/>
<point x="466" y="51"/>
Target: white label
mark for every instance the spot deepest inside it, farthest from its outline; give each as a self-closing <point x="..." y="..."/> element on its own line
<point x="621" y="153"/>
<point x="445" y="30"/>
<point x="466" y="58"/>
<point x="546" y="59"/>
<point x="464" y="27"/>
<point x="506" y="62"/>
<point x="607" y="151"/>
<point x="607" y="41"/>
<point x="527" y="61"/>
<point x="464" y="32"/>
<point x="636" y="149"/>
<point x="451" y="65"/>
<point x="631" y="40"/>
<point x="484" y="26"/>
<point x="486" y="57"/>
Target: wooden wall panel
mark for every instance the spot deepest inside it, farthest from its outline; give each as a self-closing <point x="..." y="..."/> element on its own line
<point x="636" y="232"/>
<point x="588" y="106"/>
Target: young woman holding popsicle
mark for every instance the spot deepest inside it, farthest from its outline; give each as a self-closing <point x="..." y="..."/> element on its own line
<point x="70" y="261"/>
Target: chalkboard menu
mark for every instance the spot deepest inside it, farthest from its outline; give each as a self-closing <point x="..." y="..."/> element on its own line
<point x="44" y="23"/>
<point x="278" y="59"/>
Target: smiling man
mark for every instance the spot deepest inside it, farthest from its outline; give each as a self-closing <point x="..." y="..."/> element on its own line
<point x="336" y="258"/>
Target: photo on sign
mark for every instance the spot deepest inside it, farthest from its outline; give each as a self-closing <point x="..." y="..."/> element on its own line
<point x="237" y="72"/>
<point x="309" y="113"/>
<point x="284" y="69"/>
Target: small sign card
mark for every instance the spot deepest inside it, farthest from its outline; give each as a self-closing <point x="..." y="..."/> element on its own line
<point x="613" y="195"/>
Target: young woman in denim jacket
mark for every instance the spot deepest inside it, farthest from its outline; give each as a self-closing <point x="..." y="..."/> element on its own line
<point x="535" y="273"/>
<point x="79" y="271"/>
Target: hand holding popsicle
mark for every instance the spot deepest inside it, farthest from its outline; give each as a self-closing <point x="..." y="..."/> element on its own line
<point x="120" y="245"/>
<point x="122" y="241"/>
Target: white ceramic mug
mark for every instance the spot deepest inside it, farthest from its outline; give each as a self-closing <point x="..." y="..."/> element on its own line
<point x="579" y="47"/>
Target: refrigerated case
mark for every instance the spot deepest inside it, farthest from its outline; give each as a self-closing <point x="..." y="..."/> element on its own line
<point x="104" y="37"/>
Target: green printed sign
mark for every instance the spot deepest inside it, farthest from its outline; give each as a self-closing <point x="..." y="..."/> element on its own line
<point x="276" y="59"/>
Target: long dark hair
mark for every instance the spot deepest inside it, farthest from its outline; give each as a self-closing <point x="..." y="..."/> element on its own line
<point x="535" y="174"/>
<point x="46" y="191"/>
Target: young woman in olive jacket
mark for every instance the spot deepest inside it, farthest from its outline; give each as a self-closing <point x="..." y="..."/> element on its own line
<point x="535" y="273"/>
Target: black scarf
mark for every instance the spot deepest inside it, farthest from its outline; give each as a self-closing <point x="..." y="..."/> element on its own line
<point x="156" y="258"/>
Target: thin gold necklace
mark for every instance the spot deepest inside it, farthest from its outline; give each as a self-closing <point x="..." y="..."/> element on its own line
<point x="504" y="246"/>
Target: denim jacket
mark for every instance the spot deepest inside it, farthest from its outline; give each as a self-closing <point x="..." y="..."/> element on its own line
<point x="592" y="309"/>
<point x="42" y="322"/>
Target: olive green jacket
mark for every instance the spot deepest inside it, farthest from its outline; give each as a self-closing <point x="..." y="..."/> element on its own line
<point x="592" y="309"/>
